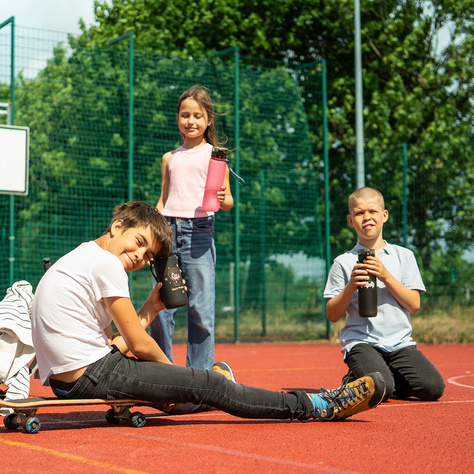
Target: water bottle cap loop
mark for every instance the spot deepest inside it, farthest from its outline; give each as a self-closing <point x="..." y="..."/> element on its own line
<point x="239" y="179"/>
<point x="220" y="154"/>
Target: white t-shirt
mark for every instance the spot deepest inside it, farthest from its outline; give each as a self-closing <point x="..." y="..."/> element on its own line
<point x="391" y="329"/>
<point x="69" y="315"/>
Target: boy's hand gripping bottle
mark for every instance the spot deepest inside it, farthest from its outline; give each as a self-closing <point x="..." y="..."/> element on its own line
<point x="367" y="293"/>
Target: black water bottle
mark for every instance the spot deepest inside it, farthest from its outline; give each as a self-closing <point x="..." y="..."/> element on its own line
<point x="46" y="264"/>
<point x="367" y="293"/>
<point x="166" y="271"/>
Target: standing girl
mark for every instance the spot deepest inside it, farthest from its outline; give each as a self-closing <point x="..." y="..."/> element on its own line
<point x="184" y="173"/>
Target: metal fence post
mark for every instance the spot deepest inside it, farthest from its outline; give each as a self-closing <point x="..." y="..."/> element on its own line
<point x="327" y="199"/>
<point x="405" y="197"/>
<point x="237" y="193"/>
<point x="235" y="50"/>
<point x="327" y="224"/>
<point x="263" y="251"/>
<point x="11" y="116"/>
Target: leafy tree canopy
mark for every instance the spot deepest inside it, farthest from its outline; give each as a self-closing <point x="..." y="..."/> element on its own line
<point x="417" y="90"/>
<point x="417" y="55"/>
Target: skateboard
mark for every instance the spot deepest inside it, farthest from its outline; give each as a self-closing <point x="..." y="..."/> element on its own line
<point x="24" y="411"/>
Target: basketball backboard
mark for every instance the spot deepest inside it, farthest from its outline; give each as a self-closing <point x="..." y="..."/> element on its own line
<point x="14" y="156"/>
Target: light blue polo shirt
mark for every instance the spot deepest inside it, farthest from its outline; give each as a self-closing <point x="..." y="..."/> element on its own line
<point x="391" y="329"/>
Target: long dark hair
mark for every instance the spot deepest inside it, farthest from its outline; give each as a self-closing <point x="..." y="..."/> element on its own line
<point x="201" y="95"/>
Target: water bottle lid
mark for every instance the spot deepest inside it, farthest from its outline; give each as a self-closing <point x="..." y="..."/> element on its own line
<point x="219" y="153"/>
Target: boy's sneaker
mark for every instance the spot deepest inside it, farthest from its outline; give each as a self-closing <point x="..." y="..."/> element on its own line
<point x="352" y="397"/>
<point x="224" y="369"/>
<point x="33" y="368"/>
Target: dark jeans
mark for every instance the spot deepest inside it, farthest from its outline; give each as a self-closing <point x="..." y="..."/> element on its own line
<point x="407" y="372"/>
<point x="119" y="376"/>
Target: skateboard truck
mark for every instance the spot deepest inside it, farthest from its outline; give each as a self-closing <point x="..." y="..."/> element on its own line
<point x="24" y="411"/>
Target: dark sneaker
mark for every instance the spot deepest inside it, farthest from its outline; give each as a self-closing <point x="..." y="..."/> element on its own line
<point x="353" y="397"/>
<point x="224" y="369"/>
<point x="33" y="368"/>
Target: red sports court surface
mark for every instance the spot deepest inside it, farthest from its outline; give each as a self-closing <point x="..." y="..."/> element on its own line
<point x="398" y="436"/>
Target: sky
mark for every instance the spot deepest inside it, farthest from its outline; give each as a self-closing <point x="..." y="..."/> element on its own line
<point x="57" y="15"/>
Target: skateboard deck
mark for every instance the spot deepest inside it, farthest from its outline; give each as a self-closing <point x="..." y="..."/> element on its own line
<point x="24" y="410"/>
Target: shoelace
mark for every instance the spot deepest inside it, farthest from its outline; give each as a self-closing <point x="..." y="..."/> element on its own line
<point x="341" y="397"/>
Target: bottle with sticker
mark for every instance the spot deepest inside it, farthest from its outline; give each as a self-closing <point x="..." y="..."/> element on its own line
<point x="368" y="292"/>
<point x="167" y="271"/>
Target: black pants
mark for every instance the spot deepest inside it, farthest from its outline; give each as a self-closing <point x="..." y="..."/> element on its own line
<point x="407" y="372"/>
<point x="119" y="376"/>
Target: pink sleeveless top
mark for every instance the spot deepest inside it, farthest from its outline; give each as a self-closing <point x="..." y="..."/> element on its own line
<point x="187" y="173"/>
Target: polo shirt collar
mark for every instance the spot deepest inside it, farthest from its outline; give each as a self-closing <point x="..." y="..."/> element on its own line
<point x="387" y="249"/>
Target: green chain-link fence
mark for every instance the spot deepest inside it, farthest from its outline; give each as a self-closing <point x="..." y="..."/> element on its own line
<point x="77" y="105"/>
<point x="429" y="196"/>
<point x="272" y="254"/>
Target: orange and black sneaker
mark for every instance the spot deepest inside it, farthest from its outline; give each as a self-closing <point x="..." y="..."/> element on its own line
<point x="354" y="397"/>
<point x="224" y="369"/>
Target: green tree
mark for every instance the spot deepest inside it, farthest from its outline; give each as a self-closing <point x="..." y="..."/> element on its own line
<point x="414" y="92"/>
<point x="417" y="89"/>
<point x="73" y="126"/>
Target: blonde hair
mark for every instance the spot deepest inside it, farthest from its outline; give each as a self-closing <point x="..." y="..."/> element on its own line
<point x="365" y="194"/>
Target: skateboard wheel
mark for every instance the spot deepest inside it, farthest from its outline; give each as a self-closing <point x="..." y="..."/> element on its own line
<point x="11" y="422"/>
<point x="111" y="418"/>
<point x="138" y="419"/>
<point x="32" y="425"/>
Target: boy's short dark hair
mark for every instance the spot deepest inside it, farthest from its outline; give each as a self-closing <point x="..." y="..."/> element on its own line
<point x="142" y="214"/>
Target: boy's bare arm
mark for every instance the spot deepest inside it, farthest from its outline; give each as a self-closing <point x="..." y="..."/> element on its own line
<point x="408" y="299"/>
<point x="146" y="315"/>
<point x="132" y="335"/>
<point x="151" y="307"/>
<point x="336" y="307"/>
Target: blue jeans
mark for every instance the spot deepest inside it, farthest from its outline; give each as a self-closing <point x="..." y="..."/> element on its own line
<point x="196" y="253"/>
<point x="407" y="372"/>
<point x="119" y="376"/>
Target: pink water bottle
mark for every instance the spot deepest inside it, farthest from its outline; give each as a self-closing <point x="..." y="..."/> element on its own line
<point x="215" y="179"/>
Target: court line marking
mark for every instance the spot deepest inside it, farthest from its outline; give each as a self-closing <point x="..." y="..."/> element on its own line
<point x="234" y="452"/>
<point x="70" y="457"/>
<point x="216" y="449"/>
<point x="204" y="447"/>
<point x="420" y="403"/>
<point x="322" y="367"/>
<point x="453" y="380"/>
<point x="219" y="413"/>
